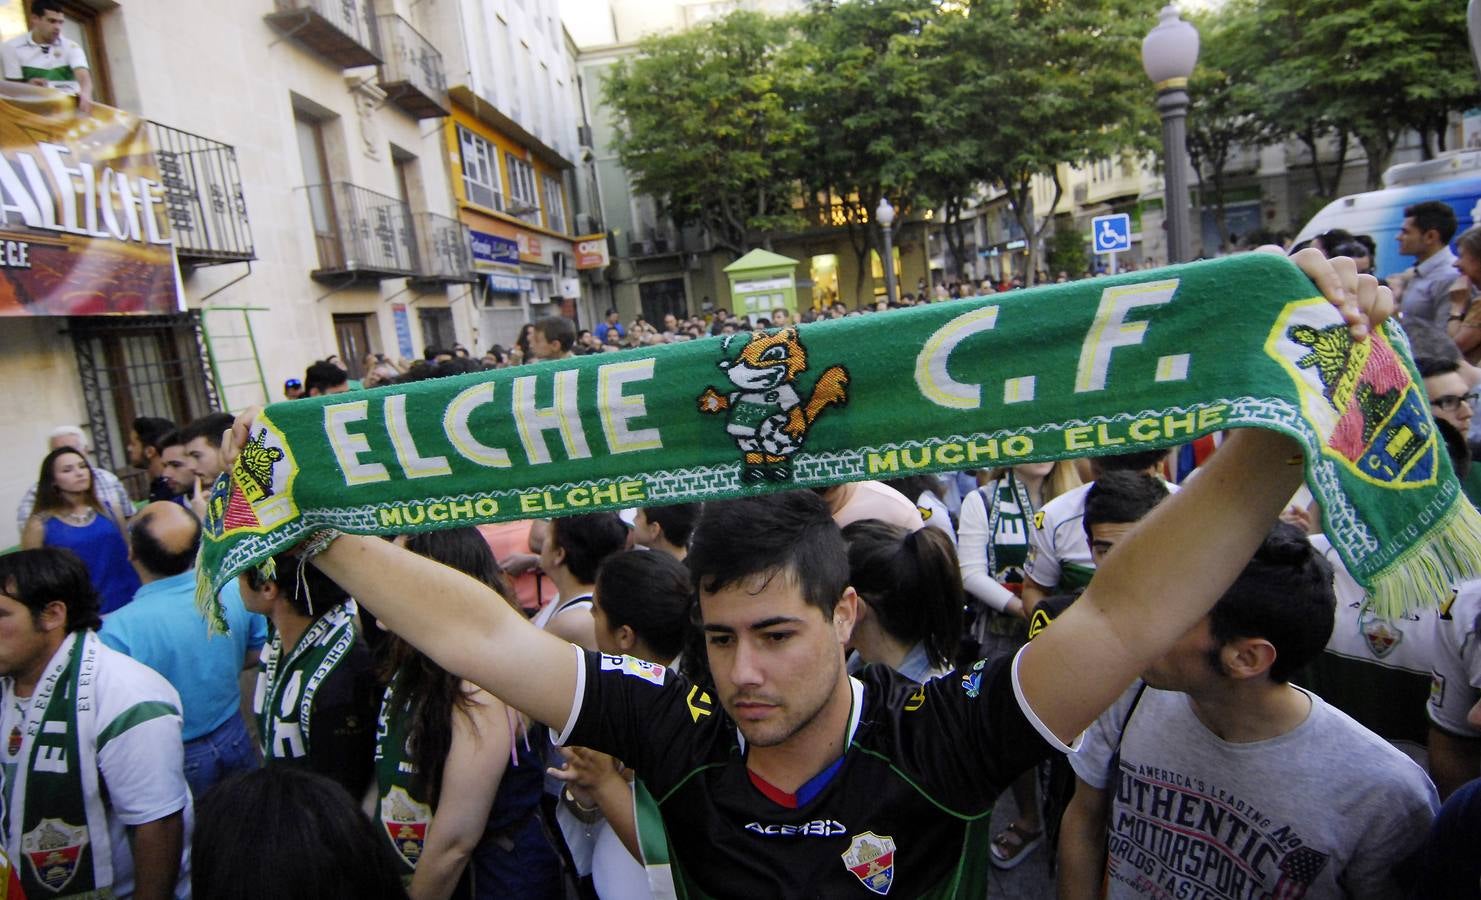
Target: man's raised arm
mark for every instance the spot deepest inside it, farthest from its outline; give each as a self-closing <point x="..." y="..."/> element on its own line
<point x="460" y="622"/>
<point x="1182" y="557"/>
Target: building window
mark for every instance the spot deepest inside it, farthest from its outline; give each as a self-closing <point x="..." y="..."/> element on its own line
<point x="480" y="171"/>
<point x="555" y="204"/>
<point x="523" y="198"/>
<point x="138" y="366"/>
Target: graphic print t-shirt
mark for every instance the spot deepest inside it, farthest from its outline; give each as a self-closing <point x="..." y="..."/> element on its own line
<point x="1324" y="810"/>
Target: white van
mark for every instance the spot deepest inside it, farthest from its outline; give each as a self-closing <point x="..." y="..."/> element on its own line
<point x="1380" y="214"/>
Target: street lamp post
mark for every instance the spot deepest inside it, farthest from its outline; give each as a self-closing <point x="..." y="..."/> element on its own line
<point x="884" y="214"/>
<point x="1169" y="53"/>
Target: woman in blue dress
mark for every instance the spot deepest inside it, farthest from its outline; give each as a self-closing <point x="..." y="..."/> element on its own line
<point x="68" y="514"/>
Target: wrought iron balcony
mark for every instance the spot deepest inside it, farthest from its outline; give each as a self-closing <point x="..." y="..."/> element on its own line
<point x="343" y="31"/>
<point x="412" y="74"/>
<point x="203" y="197"/>
<point x="360" y="233"/>
<point x="443" y="253"/>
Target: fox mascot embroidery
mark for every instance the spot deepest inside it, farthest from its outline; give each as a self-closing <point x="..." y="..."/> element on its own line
<point x="767" y="417"/>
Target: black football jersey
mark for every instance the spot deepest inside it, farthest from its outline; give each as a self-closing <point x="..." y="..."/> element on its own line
<point x="904" y="812"/>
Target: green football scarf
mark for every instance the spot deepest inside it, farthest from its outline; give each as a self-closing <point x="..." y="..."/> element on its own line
<point x="289" y="680"/>
<point x="57" y="828"/>
<point x="401" y="811"/>
<point x="1101" y="366"/>
<point x="1007" y="501"/>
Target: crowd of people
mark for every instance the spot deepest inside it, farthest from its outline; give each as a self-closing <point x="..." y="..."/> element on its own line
<point x="811" y="693"/>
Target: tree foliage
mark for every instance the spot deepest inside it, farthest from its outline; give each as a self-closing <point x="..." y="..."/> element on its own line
<point x="708" y="123"/>
<point x="746" y="124"/>
<point x="862" y="102"/>
<point x="1348" y="71"/>
<point x="1024" y="85"/>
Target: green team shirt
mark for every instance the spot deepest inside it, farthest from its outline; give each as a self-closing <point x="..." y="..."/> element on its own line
<point x="57" y="63"/>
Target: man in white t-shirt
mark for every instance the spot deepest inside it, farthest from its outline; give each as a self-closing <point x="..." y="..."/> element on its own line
<point x="94" y="784"/>
<point x="1218" y="777"/>
<point x="1455" y="690"/>
<point x="45" y="57"/>
<point x="1058" y="552"/>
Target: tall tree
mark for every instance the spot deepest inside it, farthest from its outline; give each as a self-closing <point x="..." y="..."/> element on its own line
<point x="862" y="99"/>
<point x="1038" y="83"/>
<point x="1220" y="116"/>
<point x="707" y="121"/>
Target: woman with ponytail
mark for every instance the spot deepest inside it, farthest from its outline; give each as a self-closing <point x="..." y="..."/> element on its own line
<point x="910" y="617"/>
<point x="459" y="785"/>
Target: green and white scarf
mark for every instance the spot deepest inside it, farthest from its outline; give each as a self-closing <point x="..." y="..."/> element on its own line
<point x="402" y="812"/>
<point x="1006" y="500"/>
<point x="290" y="679"/>
<point x="1101" y="366"/>
<point x="57" y="828"/>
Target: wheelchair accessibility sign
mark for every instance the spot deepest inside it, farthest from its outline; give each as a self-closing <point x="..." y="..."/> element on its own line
<point x="1111" y="234"/>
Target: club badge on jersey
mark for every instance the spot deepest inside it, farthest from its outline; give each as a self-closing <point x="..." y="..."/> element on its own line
<point x="871" y="857"/>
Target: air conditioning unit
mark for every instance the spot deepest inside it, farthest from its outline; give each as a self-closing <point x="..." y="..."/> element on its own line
<point x="583" y="135"/>
<point x="641" y="248"/>
<point x="586" y="223"/>
<point x="660" y="245"/>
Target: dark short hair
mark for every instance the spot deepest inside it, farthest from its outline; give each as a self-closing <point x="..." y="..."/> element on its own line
<point x="790" y="533"/>
<point x="1433" y="215"/>
<point x="42" y="7"/>
<point x="38" y="577"/>
<point x="171" y="438"/>
<point x="648" y="592"/>
<point x="1120" y="498"/>
<point x="1285" y="596"/>
<point x="321" y="845"/>
<point x="210" y="426"/>
<point x="676" y="521"/>
<point x="1430" y="366"/>
<point x="308" y="591"/>
<point x="1130" y="462"/>
<point x="1429" y="340"/>
<point x="154" y="556"/>
<point x="151" y="430"/>
<point x="432" y="352"/>
<point x="558" y="330"/>
<point x="323" y="375"/>
<point x="587" y="540"/>
<point x="911" y="581"/>
<point x="1456" y="448"/>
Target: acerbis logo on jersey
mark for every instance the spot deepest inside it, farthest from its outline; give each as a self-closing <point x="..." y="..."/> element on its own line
<point x="638" y="668"/>
<point x="815" y="828"/>
<point x="871" y="857"/>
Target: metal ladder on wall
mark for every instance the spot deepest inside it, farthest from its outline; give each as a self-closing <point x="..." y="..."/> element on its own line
<point x="231" y="350"/>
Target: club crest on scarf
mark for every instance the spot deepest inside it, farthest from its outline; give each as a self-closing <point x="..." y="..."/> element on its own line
<point x="54" y="850"/>
<point x="405" y="821"/>
<point x="1359" y="397"/>
<point x="766" y="413"/>
<point x="872" y="860"/>
<point x="254" y="496"/>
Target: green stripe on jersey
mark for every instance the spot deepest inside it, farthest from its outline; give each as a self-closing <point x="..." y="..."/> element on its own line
<point x="60" y="73"/>
<point x="137" y="714"/>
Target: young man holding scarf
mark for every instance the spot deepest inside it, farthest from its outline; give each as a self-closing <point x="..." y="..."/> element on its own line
<point x="802" y="781"/>
<point x="96" y="802"/>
